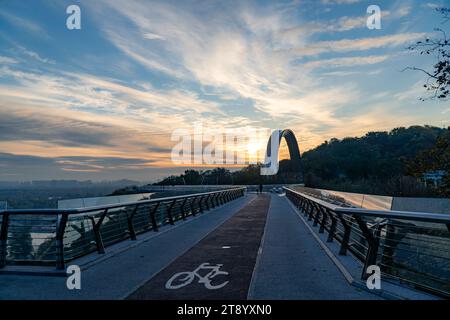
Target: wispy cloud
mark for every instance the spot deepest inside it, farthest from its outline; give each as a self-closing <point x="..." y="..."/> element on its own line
<point x="361" y="44"/>
<point x="24" y="24"/>
<point x="346" y="62"/>
<point x="8" y="60"/>
<point x="34" y="55"/>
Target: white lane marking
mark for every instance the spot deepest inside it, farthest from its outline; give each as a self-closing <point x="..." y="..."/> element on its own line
<point x="186" y="277"/>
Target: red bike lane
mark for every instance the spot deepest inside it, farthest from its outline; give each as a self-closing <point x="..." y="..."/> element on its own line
<point x="218" y="267"/>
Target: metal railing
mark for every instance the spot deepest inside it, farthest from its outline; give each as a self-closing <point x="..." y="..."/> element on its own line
<point x="55" y="236"/>
<point x="411" y="247"/>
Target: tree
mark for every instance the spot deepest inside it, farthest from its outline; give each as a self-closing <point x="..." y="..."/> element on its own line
<point x="438" y="82"/>
<point x="192" y="177"/>
<point x="436" y="158"/>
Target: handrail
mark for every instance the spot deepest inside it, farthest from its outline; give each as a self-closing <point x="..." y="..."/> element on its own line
<point x="391" y="214"/>
<point x="71" y="233"/>
<point x="109" y="206"/>
<point x="403" y="215"/>
<point x="412" y="247"/>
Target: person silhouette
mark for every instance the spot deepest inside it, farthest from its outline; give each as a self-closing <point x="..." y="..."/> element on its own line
<point x="260" y="188"/>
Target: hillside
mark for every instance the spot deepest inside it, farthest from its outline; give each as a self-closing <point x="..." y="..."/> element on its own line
<point x="379" y="162"/>
<point x="382" y="163"/>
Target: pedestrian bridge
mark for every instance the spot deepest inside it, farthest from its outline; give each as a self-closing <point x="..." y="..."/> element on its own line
<point x="225" y="244"/>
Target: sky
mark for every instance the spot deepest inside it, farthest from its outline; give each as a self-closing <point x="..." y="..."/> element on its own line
<point x="102" y="102"/>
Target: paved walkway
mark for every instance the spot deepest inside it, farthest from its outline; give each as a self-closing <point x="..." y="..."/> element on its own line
<point x="218" y="267"/>
<point x="293" y="265"/>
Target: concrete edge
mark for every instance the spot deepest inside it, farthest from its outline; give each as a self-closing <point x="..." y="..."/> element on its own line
<point x="251" y="287"/>
<point x="13" y="270"/>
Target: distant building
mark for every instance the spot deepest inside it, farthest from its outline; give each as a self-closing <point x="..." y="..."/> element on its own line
<point x="434" y="178"/>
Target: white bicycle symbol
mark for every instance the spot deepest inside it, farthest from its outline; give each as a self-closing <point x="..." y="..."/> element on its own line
<point x="186" y="277"/>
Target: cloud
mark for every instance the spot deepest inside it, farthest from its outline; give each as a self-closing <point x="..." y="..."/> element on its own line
<point x="432" y="5"/>
<point x="361" y="44"/>
<point x="152" y="36"/>
<point x="17" y="125"/>
<point x="34" y="55"/>
<point x="83" y="91"/>
<point x="8" y="60"/>
<point x="96" y="168"/>
<point x="248" y="52"/>
<point x="346" y="62"/>
<point x="25" y="24"/>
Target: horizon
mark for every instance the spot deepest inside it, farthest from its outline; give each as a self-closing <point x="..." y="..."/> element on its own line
<point x="101" y="103"/>
<point x="283" y="154"/>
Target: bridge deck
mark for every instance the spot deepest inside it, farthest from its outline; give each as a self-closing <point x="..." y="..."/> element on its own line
<point x="126" y="265"/>
<point x="290" y="264"/>
<point x="293" y="265"/>
<point x="234" y="246"/>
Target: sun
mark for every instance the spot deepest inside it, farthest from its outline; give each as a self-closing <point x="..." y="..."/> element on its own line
<point x="254" y="150"/>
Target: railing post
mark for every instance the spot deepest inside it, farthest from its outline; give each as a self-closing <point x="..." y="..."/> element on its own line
<point x="169" y="212"/>
<point x="206" y="201"/>
<point x="183" y="214"/>
<point x="60" y="241"/>
<point x="192" y="206"/>
<point x="316" y="216"/>
<point x="373" y="242"/>
<point x="218" y="202"/>
<point x="130" y="223"/>
<point x="298" y="201"/>
<point x="345" y="237"/>
<point x="218" y="199"/>
<point x="324" y="219"/>
<point x="200" y="204"/>
<point x="152" y="217"/>
<point x="310" y="210"/>
<point x="214" y="200"/>
<point x="332" y="227"/>
<point x="305" y="207"/>
<point x="211" y="201"/>
<point x="4" y="239"/>
<point x="97" y="234"/>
